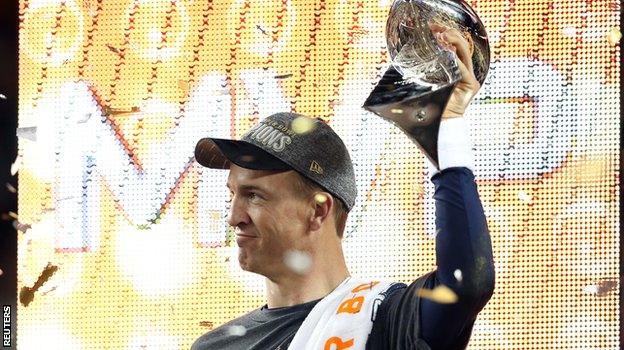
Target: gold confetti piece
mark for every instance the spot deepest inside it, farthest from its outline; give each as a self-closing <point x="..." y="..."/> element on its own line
<point x="184" y="85"/>
<point x="614" y="36"/>
<point x="396" y="110"/>
<point x="298" y="261"/>
<point x="320" y="198"/>
<point x="207" y="324"/>
<point x="236" y="330"/>
<point x="302" y="125"/>
<point x="113" y="49"/>
<point x="11" y="188"/>
<point x="607" y="285"/>
<point x="458" y="275"/>
<point x="27" y="294"/>
<point x="440" y="294"/>
<point x="13" y="215"/>
<point x="248" y="158"/>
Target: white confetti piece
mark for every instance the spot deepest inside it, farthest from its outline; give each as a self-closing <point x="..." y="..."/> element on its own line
<point x="236" y="330"/>
<point x="29" y="133"/>
<point x="2" y="96"/>
<point x="298" y="261"/>
<point x="15" y="166"/>
<point x="569" y="31"/>
<point x="523" y="196"/>
<point x="440" y="294"/>
<point x="591" y="289"/>
<point x="458" y="275"/>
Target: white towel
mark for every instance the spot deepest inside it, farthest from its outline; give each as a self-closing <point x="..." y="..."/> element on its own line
<point x="343" y="319"/>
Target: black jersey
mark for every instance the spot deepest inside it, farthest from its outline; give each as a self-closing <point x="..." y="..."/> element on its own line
<point x="403" y="321"/>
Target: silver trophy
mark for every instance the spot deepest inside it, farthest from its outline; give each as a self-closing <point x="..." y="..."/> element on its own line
<point x="415" y="89"/>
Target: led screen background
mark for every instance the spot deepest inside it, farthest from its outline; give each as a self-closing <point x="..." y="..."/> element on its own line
<point x="115" y="94"/>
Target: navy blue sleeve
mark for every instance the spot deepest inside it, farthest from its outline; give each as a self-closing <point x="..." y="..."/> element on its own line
<point x="405" y="321"/>
<point x="462" y="243"/>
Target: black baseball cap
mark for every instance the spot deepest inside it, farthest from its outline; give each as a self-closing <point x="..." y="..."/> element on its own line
<point x="288" y="141"/>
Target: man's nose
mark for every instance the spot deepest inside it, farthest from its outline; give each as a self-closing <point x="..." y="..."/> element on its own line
<point x="237" y="214"/>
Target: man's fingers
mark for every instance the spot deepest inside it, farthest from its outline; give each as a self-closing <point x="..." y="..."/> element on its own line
<point x="437" y="28"/>
<point x="468" y="76"/>
<point x="462" y="47"/>
<point x="451" y="37"/>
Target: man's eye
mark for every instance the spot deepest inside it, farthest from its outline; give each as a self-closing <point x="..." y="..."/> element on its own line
<point x="253" y="196"/>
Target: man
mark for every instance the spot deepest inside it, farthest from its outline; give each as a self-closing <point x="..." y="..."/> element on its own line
<point x="291" y="189"/>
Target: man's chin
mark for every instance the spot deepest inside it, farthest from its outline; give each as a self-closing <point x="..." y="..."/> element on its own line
<point x="244" y="261"/>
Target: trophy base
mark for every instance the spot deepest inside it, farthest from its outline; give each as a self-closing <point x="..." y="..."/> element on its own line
<point x="413" y="108"/>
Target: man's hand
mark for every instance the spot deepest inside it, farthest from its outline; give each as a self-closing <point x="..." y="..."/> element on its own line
<point x="468" y="86"/>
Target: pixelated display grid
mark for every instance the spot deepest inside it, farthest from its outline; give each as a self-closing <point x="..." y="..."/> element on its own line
<point x="120" y="91"/>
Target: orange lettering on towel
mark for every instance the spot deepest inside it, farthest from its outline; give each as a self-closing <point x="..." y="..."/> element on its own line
<point x="339" y="343"/>
<point x="364" y="286"/>
<point x="351" y="306"/>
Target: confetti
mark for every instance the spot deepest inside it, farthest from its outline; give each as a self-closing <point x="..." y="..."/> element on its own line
<point x="440" y="294"/>
<point x="13" y="215"/>
<point x="320" y="198"/>
<point x="302" y="125"/>
<point x="261" y="30"/>
<point x="602" y="287"/>
<point x="396" y="110"/>
<point x="298" y="261"/>
<point x="523" y="196"/>
<point x="11" y="188"/>
<point x="283" y="76"/>
<point x="2" y="96"/>
<point x="29" y="133"/>
<point x="184" y="85"/>
<point x="15" y="166"/>
<point x="113" y="49"/>
<point x="27" y="294"/>
<point x="458" y="275"/>
<point x="247" y="158"/>
<point x="21" y="227"/>
<point x="569" y="31"/>
<point x="236" y="330"/>
<point x="614" y="36"/>
<point x="435" y="234"/>
<point x="207" y="324"/>
<point x="1" y="272"/>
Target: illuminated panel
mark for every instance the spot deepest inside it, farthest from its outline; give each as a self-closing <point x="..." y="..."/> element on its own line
<point x="120" y="91"/>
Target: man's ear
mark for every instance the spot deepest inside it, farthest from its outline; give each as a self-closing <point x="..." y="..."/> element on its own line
<point x="323" y="205"/>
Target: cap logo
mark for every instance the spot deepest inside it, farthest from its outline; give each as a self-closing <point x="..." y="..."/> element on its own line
<point x="269" y="136"/>
<point x="315" y="167"/>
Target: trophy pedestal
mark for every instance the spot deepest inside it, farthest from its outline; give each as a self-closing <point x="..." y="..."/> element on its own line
<point x="415" y="109"/>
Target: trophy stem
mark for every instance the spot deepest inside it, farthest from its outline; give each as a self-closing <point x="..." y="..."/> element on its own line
<point x="415" y="109"/>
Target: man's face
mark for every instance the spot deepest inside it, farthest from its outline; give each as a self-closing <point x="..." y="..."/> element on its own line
<point x="269" y="218"/>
